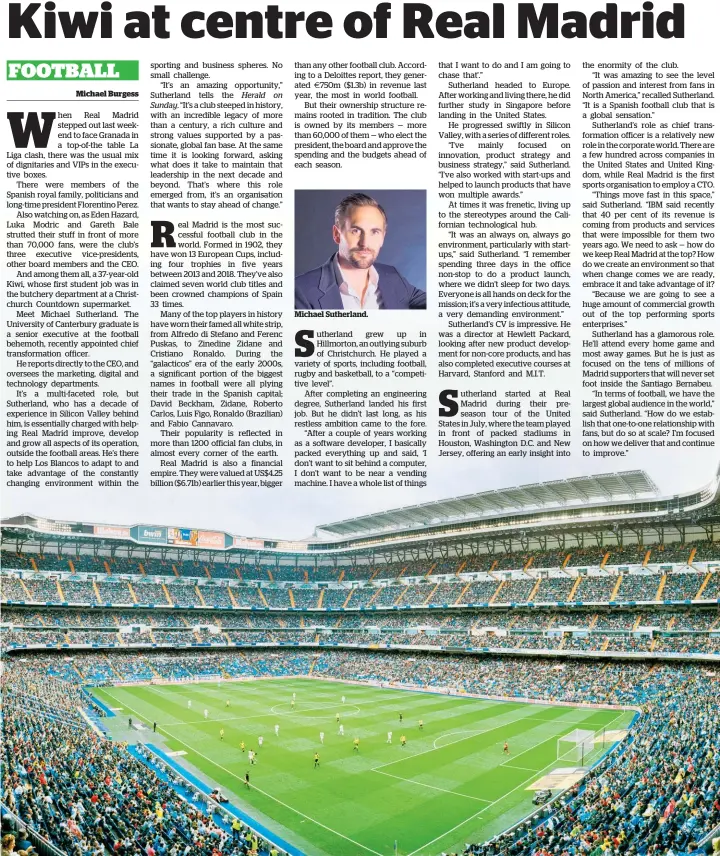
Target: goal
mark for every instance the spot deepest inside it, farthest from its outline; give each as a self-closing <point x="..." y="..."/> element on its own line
<point x="577" y="746"/>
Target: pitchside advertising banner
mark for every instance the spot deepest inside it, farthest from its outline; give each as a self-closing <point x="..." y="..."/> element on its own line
<point x="284" y="279"/>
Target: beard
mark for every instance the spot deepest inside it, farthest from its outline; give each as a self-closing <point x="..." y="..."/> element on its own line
<point x="361" y="259"/>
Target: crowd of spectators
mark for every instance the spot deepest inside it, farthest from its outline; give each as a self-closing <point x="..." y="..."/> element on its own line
<point x="224" y="567"/>
<point x="88" y="795"/>
<point x="595" y="589"/>
<point x="78" y="592"/>
<point x="640" y="585"/>
<point x="622" y="682"/>
<point x="358" y="598"/>
<point x="550" y="559"/>
<point x="554" y="589"/>
<point x="629" y="554"/>
<point x="704" y="551"/>
<point x="657" y="795"/>
<point x="712" y="589"/>
<point x="206" y="595"/>
<point x="115" y="592"/>
<point x="445" y="567"/>
<point x="188" y="595"/>
<point x="691" y="619"/>
<point x="586" y="557"/>
<point x="40" y="589"/>
<point x="619" y="619"/>
<point x="518" y="620"/>
<point x="448" y="592"/>
<point x="516" y="591"/>
<point x="334" y="598"/>
<point x="681" y="586"/>
<point x="513" y="561"/>
<point x="481" y="638"/>
<point x="150" y="593"/>
<point x="480" y="563"/>
<point x="684" y="630"/>
<point x="304" y="598"/>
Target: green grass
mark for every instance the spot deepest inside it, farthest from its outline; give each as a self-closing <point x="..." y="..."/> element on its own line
<point x="449" y="785"/>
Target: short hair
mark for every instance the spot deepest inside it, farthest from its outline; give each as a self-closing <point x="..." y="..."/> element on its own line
<point x="356" y="200"/>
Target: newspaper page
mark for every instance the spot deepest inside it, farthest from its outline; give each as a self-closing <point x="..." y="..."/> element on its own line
<point x="317" y="309"/>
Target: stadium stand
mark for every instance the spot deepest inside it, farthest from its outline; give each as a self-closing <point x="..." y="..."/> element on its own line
<point x="621" y="607"/>
<point x="554" y="589"/>
<point x="682" y="586"/>
<point x="658" y="797"/>
<point x="113" y="592"/>
<point x="595" y="589"/>
<point x="690" y="709"/>
<point x="43" y="590"/>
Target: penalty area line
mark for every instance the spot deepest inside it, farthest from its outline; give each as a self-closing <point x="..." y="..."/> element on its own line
<point x="271" y="797"/>
<point x="471" y="733"/>
<point x="514" y="767"/>
<point x="522" y="784"/>
<point x="482" y="811"/>
<point x="434" y="787"/>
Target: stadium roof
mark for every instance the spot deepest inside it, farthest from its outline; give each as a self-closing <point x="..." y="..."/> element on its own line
<point x="611" y="487"/>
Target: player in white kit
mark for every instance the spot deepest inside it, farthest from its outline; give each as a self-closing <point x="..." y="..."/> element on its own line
<point x="322" y="737"/>
<point x="205" y="713"/>
<point x="277" y="730"/>
<point x="389" y="740"/>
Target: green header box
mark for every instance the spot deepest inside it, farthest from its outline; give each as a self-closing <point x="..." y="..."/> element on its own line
<point x="73" y="70"/>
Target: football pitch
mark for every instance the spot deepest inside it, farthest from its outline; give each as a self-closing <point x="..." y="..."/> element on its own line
<point x="451" y="783"/>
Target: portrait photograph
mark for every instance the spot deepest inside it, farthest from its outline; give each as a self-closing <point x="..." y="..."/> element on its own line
<point x="360" y="250"/>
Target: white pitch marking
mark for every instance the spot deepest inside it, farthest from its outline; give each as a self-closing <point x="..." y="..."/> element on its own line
<point x="269" y="796"/>
<point x="347" y="709"/>
<point x="513" y="767"/>
<point x="275" y="799"/>
<point x="434" y="787"/>
<point x="472" y="734"/>
<point x="504" y="796"/>
<point x="468" y="819"/>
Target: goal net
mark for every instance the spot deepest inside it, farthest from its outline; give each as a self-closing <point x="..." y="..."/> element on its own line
<point x="578" y="746"/>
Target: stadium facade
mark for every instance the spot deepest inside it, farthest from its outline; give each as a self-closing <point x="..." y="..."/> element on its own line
<point x="607" y="510"/>
<point x="597" y="566"/>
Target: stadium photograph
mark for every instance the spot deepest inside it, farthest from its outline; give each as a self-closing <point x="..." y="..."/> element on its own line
<point x="521" y="672"/>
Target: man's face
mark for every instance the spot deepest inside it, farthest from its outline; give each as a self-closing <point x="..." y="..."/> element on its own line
<point x="360" y="237"/>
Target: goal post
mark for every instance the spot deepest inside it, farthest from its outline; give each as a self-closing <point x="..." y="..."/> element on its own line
<point x="578" y="746"/>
